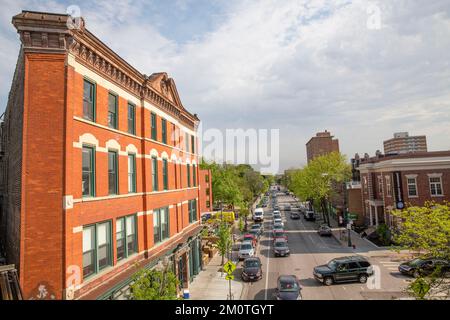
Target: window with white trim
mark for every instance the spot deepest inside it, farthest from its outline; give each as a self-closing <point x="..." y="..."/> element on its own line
<point x="436" y="186"/>
<point x="388" y="186"/>
<point x="380" y="184"/>
<point x="97" y="253"/>
<point x="412" y="187"/>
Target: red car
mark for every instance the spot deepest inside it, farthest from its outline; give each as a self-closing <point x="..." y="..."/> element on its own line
<point x="250" y="237"/>
<point x="279" y="235"/>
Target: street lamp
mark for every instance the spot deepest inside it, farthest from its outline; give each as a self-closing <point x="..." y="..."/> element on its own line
<point x="347" y="215"/>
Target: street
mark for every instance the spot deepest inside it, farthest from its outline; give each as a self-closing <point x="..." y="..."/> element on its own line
<point x="308" y="250"/>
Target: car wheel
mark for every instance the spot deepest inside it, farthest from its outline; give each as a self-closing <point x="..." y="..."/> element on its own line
<point x="416" y="273"/>
<point x="328" y="281"/>
<point x="362" y="278"/>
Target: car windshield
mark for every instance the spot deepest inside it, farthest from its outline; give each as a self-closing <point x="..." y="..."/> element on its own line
<point x="278" y="234"/>
<point x="415" y="262"/>
<point x="332" y="264"/>
<point x="289" y="286"/>
<point x="255" y="227"/>
<point x="248" y="238"/>
<point x="246" y="246"/>
<point x="251" y="264"/>
<point x="280" y="244"/>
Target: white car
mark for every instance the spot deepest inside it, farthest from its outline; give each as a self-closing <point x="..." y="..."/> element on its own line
<point x="258" y="215"/>
<point x="246" y="250"/>
<point x="278" y="221"/>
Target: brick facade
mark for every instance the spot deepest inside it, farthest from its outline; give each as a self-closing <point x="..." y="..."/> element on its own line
<point x="384" y="183"/>
<point x="44" y="205"/>
<point x="320" y="145"/>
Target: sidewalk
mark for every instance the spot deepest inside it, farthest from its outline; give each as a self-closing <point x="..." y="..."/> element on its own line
<point x="359" y="245"/>
<point x="210" y="284"/>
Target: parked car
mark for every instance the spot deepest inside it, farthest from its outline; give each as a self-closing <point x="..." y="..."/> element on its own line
<point x="257" y="227"/>
<point x="276" y="207"/>
<point x="278" y="221"/>
<point x="206" y="216"/>
<point x="277" y="226"/>
<point x="281" y="248"/>
<point x="345" y="269"/>
<point x="427" y="266"/>
<point x="295" y="215"/>
<point x="250" y="237"/>
<point x="276" y="212"/>
<point x="246" y="250"/>
<point x="310" y="215"/>
<point x="251" y="269"/>
<point x="288" y="288"/>
<point x="255" y="233"/>
<point x="279" y="234"/>
<point x="258" y="215"/>
<point x="324" y="230"/>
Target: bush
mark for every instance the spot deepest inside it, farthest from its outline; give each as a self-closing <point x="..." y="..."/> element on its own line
<point x="384" y="234"/>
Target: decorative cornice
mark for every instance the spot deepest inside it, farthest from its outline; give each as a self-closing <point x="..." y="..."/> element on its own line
<point x="46" y="32"/>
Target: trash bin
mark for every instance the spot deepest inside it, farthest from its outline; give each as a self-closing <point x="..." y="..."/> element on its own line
<point x="186" y="294"/>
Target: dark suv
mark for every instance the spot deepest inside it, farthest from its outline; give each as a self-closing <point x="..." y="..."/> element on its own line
<point x="345" y="269"/>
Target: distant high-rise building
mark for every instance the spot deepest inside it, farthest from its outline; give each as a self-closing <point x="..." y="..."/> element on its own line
<point x="404" y="143"/>
<point x="323" y="143"/>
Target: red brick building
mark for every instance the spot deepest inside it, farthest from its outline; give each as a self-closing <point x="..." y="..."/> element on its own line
<point x="396" y="181"/>
<point x="100" y="167"/>
<point x="205" y="190"/>
<point x="323" y="143"/>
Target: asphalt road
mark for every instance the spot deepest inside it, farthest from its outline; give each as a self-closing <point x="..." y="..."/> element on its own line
<point x="308" y="250"/>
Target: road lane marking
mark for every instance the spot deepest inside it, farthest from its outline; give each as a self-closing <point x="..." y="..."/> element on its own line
<point x="267" y="269"/>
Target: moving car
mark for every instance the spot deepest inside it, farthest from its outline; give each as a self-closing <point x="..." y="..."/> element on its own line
<point x="345" y="269"/>
<point x="258" y="215"/>
<point x="288" y="288"/>
<point x="280" y="248"/>
<point x="426" y="266"/>
<point x="295" y="215"/>
<point x="279" y="234"/>
<point x="246" y="250"/>
<point x="325" y="230"/>
<point x="287" y="207"/>
<point x="251" y="269"/>
<point x="278" y="221"/>
<point x="310" y="215"/>
<point x="276" y="216"/>
<point x="250" y="237"/>
<point x="277" y="226"/>
<point x="276" y="207"/>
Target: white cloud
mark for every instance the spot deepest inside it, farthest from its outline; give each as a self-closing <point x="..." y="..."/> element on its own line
<point x="301" y="66"/>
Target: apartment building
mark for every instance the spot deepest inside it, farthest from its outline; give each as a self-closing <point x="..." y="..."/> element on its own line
<point x="100" y="167"/>
<point x="391" y="182"/>
<point x="404" y="143"/>
<point x="323" y="143"/>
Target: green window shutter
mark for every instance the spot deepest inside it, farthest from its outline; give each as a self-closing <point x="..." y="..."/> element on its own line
<point x="153" y="126"/>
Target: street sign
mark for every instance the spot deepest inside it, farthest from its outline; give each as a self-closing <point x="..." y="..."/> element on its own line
<point x="229" y="277"/>
<point x="229" y="267"/>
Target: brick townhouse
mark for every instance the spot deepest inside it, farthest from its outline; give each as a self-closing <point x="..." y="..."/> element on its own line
<point x="100" y="174"/>
<point x="396" y="181"/>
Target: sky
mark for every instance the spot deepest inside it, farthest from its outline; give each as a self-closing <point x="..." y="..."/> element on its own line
<point x="359" y="69"/>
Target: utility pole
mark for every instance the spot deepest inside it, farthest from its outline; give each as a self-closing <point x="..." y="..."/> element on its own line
<point x="347" y="215"/>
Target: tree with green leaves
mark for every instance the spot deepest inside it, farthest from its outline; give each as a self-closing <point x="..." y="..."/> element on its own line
<point x="425" y="230"/>
<point x="315" y="181"/>
<point x="153" y="284"/>
<point x="225" y="241"/>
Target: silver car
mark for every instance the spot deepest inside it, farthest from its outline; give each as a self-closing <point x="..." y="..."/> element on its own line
<point x="246" y="250"/>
